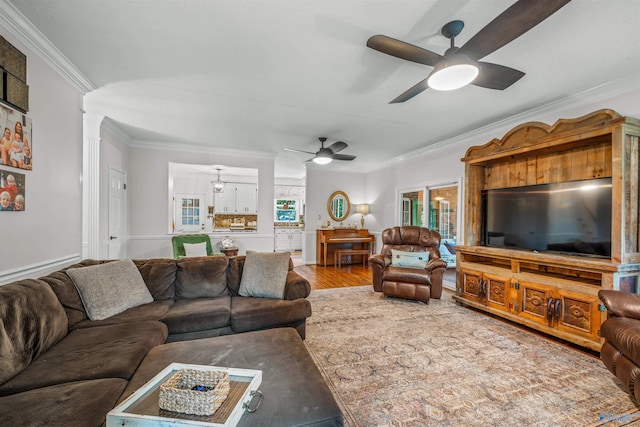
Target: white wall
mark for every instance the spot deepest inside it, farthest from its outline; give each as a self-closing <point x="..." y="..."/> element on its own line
<point x="148" y="199"/>
<point x="320" y="185"/>
<point x="49" y="233"/>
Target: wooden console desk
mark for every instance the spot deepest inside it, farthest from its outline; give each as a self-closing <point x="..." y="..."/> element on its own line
<point x="329" y="240"/>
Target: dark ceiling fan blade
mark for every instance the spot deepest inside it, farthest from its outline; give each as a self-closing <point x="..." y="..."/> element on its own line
<point x="509" y="25"/>
<point x="298" y="151"/>
<point x="411" y="92"/>
<point x="337" y="146"/>
<point x="494" y="76"/>
<point x="310" y="160"/>
<point x="403" y="50"/>
<point x="343" y="157"/>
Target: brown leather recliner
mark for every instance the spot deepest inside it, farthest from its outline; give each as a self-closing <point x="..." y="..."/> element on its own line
<point x="407" y="282"/>
<point x="621" y="331"/>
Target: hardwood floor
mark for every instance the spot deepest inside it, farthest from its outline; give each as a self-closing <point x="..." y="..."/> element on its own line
<point x="331" y="277"/>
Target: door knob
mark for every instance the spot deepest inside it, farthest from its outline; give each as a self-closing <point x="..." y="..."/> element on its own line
<point x="112" y="237"/>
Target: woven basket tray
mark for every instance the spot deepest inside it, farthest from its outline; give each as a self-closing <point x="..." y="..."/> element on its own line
<point x="177" y="394"/>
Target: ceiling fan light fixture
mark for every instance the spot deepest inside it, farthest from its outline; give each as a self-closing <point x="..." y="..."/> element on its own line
<point x="322" y="159"/>
<point x="453" y="73"/>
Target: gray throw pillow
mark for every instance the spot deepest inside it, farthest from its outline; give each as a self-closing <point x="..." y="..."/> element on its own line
<point x="264" y="274"/>
<point x="110" y="288"/>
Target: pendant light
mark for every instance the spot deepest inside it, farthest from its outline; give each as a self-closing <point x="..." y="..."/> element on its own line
<point x="218" y="186"/>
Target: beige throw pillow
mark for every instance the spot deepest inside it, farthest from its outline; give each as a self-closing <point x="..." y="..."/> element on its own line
<point x="110" y="288"/>
<point x="195" y="249"/>
<point x="264" y="274"/>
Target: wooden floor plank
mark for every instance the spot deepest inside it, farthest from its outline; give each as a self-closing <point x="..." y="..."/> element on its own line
<point x="331" y="277"/>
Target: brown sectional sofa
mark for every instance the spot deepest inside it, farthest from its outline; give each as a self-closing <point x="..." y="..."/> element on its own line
<point x="57" y="367"/>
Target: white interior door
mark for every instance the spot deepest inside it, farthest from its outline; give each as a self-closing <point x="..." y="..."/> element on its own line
<point x="117" y="214"/>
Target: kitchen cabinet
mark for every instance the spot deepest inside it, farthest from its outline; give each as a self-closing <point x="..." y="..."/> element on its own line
<point x="237" y="198"/>
<point x="291" y="192"/>
<point x="288" y="239"/>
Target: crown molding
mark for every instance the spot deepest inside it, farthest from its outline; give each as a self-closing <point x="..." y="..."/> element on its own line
<point x="194" y="148"/>
<point x="22" y="29"/>
<point x="112" y="127"/>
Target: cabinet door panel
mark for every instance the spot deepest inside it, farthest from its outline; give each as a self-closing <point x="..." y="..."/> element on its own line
<point x="498" y="291"/>
<point x="579" y="313"/>
<point x="533" y="301"/>
<point x="472" y="285"/>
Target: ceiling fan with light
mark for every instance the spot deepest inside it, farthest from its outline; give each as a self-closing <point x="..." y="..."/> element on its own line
<point x="460" y="66"/>
<point x="326" y="154"/>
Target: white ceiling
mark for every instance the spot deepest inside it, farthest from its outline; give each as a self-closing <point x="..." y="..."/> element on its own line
<point x="262" y="75"/>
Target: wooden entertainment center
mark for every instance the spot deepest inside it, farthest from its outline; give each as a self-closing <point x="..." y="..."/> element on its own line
<point x="554" y="293"/>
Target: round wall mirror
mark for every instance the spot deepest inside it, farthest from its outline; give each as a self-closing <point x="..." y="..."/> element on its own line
<point x="339" y="206"/>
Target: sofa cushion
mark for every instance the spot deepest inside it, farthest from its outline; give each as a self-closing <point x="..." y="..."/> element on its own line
<point x="152" y="311"/>
<point x="31" y="321"/>
<point x="624" y="334"/>
<point x="204" y="277"/>
<point x="406" y="275"/>
<point x="409" y="259"/>
<point x="264" y="274"/>
<point x="250" y="314"/>
<point x="191" y="315"/>
<point x="82" y="403"/>
<point x="159" y="274"/>
<point x="110" y="288"/>
<point x="112" y="351"/>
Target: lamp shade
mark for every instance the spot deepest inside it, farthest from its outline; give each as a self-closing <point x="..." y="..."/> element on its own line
<point x="362" y="208"/>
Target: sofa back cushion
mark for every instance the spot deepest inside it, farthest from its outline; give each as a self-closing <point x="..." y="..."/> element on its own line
<point x="32" y="320"/>
<point x="159" y="275"/>
<point x="202" y="277"/>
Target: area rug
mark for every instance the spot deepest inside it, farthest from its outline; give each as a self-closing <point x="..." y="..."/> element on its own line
<point x="393" y="362"/>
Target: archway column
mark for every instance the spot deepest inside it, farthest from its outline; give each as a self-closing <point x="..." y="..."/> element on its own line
<point x="91" y="185"/>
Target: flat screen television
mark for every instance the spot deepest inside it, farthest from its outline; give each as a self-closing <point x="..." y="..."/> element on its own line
<point x="571" y="218"/>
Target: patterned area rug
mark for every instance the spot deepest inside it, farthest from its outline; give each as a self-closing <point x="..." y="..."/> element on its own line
<point x="394" y="362"/>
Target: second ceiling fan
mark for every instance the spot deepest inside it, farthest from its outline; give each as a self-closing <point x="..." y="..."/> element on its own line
<point x="462" y="63"/>
<point x="327" y="154"/>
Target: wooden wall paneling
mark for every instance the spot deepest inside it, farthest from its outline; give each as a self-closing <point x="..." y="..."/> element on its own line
<point x="474" y="184"/>
<point x="542" y="169"/>
<point x="631" y="198"/>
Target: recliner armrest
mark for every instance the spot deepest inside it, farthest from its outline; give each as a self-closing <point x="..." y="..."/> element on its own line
<point x="620" y="304"/>
<point x="435" y="263"/>
<point x="380" y="260"/>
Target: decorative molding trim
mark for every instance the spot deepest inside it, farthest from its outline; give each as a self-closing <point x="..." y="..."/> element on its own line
<point x="38" y="269"/>
<point x="113" y="128"/>
<point x="21" y="28"/>
<point x="194" y="148"/>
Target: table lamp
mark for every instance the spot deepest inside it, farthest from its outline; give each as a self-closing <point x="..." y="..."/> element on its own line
<point x="362" y="209"/>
